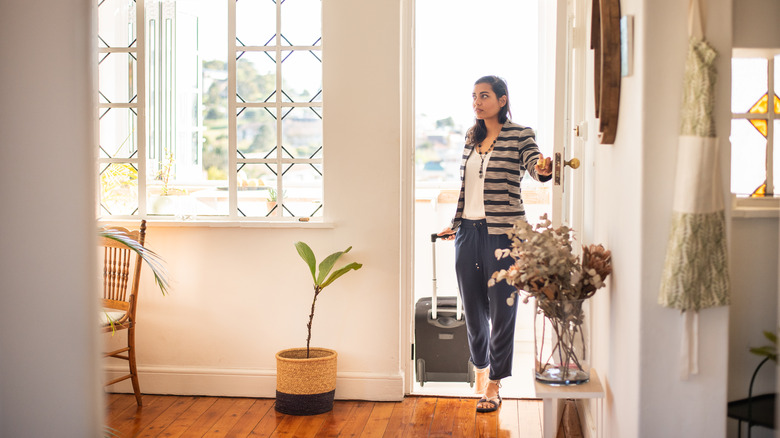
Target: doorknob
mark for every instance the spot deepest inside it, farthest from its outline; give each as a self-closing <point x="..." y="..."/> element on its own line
<point x="560" y="163"/>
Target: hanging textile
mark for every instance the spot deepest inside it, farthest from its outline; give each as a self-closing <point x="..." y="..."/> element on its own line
<point x="695" y="274"/>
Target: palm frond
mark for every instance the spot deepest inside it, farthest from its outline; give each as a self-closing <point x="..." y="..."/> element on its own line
<point x="151" y="258"/>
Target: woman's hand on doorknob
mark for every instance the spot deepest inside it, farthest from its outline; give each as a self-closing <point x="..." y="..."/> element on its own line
<point x="543" y="166"/>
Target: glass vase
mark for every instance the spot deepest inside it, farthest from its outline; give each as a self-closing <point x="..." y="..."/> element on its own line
<point x="561" y="342"/>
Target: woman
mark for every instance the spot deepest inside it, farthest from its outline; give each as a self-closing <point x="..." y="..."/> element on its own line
<point x="497" y="155"/>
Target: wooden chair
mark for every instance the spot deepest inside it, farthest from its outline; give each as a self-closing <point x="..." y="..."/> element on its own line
<point x="121" y="277"/>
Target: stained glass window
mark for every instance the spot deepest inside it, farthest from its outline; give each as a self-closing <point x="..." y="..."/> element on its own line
<point x="755" y="109"/>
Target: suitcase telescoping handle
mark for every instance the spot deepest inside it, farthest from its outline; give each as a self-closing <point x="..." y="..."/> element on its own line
<point x="434" y="313"/>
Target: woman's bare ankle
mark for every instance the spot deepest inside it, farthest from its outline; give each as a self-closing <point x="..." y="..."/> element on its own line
<point x="482" y="376"/>
<point x="492" y="388"/>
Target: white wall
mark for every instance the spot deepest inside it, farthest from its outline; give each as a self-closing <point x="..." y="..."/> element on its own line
<point x="48" y="359"/>
<point x="755" y="23"/>
<point x="617" y="222"/>
<point x="754" y="307"/>
<point x="638" y="341"/>
<point x="242" y="294"/>
<point x="702" y="396"/>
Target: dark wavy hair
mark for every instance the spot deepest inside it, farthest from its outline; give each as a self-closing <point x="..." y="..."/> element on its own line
<point x="478" y="132"/>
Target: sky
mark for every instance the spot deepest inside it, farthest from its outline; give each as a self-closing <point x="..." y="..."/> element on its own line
<point x="457" y="42"/>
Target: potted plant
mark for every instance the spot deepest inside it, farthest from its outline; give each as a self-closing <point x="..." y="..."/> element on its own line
<point x="306" y="377"/>
<point x="169" y="200"/>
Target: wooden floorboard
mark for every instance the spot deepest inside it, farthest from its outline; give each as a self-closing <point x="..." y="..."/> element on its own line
<point x="236" y="417"/>
<point x="250" y="418"/>
<point x="400" y="418"/>
<point x="444" y="417"/>
<point x="178" y="427"/>
<point x="378" y="420"/>
<point x="167" y="417"/>
<point x="530" y="414"/>
<point x="465" y="423"/>
<point x="508" y="420"/>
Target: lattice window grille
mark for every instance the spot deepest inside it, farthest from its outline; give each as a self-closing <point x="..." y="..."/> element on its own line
<point x="120" y="160"/>
<point x="279" y="160"/>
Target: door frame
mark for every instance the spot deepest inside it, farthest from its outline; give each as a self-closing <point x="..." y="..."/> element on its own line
<point x="569" y="201"/>
<point x="407" y="194"/>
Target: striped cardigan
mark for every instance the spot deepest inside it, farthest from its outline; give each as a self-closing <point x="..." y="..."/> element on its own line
<point x="514" y="153"/>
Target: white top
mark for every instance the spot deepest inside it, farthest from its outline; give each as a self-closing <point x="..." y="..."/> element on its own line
<point x="474" y="206"/>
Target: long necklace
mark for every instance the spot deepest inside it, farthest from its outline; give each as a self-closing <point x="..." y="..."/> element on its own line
<point x="482" y="159"/>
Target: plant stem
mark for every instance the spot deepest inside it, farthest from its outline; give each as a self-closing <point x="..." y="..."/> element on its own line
<point x="317" y="291"/>
<point x="565" y="323"/>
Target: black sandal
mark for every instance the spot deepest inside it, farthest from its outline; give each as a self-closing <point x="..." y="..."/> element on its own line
<point x="491" y="400"/>
<point x="495" y="400"/>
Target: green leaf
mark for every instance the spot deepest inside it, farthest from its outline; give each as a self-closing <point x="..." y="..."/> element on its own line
<point x="152" y="259"/>
<point x="328" y="263"/>
<point x="110" y="432"/>
<point x="765" y="351"/>
<point x="308" y="256"/>
<point x="341" y="272"/>
<point x="771" y="336"/>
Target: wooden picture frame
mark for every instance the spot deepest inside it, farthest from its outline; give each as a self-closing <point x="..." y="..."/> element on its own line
<point x="605" y="41"/>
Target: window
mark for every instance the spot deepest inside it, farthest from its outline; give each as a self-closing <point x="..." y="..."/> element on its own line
<point x="214" y="112"/>
<point x="755" y="124"/>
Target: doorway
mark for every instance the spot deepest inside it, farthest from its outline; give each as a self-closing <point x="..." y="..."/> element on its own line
<point x="454" y="43"/>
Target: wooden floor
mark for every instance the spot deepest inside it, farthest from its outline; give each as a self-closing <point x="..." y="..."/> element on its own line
<point x="173" y="416"/>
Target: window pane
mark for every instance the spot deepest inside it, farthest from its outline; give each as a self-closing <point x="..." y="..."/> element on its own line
<point x="748" y="158"/>
<point x="748" y="82"/>
<point x="118" y="189"/>
<point x="215" y="121"/>
<point x="776" y="156"/>
<point x="303" y="191"/>
<point x="256" y="76"/>
<point x="116" y="79"/>
<point x="302" y="76"/>
<point x="301" y="22"/>
<point x="186" y="110"/>
<point x="256" y="191"/>
<point x="255" y="132"/>
<point x="116" y="23"/>
<point x="777" y="76"/>
<point x="117" y="133"/>
<point x="302" y="131"/>
<point x="255" y="22"/>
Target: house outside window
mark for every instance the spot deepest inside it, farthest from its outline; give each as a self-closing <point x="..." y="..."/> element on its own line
<point x="213" y="113"/>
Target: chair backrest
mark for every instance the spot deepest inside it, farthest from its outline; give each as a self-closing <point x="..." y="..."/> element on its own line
<point x="119" y="272"/>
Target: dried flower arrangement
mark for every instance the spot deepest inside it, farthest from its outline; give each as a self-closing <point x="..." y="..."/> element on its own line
<point x="546" y="269"/>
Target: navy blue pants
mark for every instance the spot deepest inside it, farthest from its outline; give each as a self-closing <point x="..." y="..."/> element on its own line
<point x="490" y="321"/>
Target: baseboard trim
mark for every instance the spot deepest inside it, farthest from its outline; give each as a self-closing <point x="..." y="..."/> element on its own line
<point x="229" y="382"/>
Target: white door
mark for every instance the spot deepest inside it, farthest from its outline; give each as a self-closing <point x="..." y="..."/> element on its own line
<point x="567" y="84"/>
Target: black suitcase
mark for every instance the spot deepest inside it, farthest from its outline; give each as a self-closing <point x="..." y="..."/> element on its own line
<point x="440" y="341"/>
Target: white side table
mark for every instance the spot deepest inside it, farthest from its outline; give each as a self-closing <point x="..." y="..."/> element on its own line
<point x="552" y="395"/>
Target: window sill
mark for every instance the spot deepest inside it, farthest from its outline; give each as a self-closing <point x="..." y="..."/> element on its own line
<point x="745" y="208"/>
<point x="216" y="223"/>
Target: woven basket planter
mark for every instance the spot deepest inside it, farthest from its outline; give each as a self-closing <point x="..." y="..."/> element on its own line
<point x="305" y="386"/>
